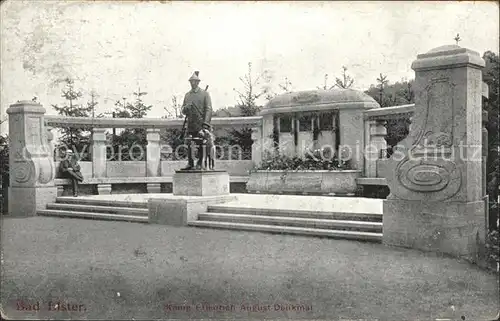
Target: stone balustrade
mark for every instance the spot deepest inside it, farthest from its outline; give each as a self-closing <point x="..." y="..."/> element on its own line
<point x="153" y="126"/>
<point x="375" y="143"/>
<point x="106" y="122"/>
<point x="100" y="168"/>
<point x="387" y="113"/>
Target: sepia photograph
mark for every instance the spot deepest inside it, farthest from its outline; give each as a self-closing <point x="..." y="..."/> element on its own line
<point x="249" y="160"/>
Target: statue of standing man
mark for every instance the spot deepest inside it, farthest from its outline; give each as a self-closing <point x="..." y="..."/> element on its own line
<point x="197" y="107"/>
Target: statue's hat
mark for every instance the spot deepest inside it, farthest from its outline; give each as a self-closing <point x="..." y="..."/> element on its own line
<point x="195" y="76"/>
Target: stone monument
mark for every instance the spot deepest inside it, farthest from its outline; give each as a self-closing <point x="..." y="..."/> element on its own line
<point x="197" y="185"/>
<point x="32" y="169"/>
<point x="194" y="180"/>
<point x="435" y="178"/>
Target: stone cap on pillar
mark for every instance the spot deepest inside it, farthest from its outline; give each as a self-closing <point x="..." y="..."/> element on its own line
<point x="451" y="56"/>
<point x="26" y="106"/>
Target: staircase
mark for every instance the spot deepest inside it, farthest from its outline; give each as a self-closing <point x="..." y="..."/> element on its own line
<point x="97" y="209"/>
<point x="343" y="225"/>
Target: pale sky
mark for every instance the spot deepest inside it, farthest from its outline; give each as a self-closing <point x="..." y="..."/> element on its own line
<point x="115" y="47"/>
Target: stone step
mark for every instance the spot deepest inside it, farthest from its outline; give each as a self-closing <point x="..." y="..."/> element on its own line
<point x="95" y="216"/>
<point x="375" y="227"/>
<point x="352" y="216"/>
<point x="98" y="209"/>
<point x="100" y="202"/>
<point x="351" y="235"/>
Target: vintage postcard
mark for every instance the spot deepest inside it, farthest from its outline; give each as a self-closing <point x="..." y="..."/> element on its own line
<point x="183" y="160"/>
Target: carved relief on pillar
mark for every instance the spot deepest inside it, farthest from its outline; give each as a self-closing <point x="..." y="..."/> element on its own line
<point x="441" y="178"/>
<point x="46" y="170"/>
<point x="427" y="166"/>
<point x="32" y="156"/>
<point x="437" y="118"/>
<point x="23" y="171"/>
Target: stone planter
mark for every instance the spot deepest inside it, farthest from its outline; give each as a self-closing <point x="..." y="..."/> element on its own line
<point x="340" y="182"/>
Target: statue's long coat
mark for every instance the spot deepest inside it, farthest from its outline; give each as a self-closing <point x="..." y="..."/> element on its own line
<point x="197" y="106"/>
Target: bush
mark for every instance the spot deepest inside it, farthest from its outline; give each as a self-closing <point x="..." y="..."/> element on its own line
<point x="4" y="172"/>
<point x="320" y="159"/>
<point x="493" y="248"/>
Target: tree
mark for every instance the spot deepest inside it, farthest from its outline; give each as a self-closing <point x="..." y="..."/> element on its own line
<point x="130" y="137"/>
<point x="382" y="83"/>
<point x="325" y="86"/>
<point x="139" y="109"/>
<point x="74" y="137"/>
<point x="93" y="103"/>
<point x="286" y="86"/>
<point x="247" y="104"/>
<point x="248" y="98"/>
<point x="491" y="78"/>
<point x="176" y="107"/>
<point x="346" y="81"/>
<point x="399" y="93"/>
<point x="408" y="93"/>
<point x="4" y="171"/>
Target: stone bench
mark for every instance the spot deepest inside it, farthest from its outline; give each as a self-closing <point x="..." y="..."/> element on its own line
<point x="379" y="181"/>
<point x="153" y="184"/>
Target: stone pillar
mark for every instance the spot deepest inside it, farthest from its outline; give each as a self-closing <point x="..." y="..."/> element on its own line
<point x="257" y="146"/>
<point x="295" y="132"/>
<point x="436" y="202"/>
<point x="31" y="161"/>
<point x="99" y="152"/>
<point x="351" y="136"/>
<point x="153" y="158"/>
<point x="267" y="135"/>
<point x="153" y="152"/>
<point x="375" y="146"/>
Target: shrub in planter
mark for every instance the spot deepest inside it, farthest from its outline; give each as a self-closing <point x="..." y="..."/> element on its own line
<point x="319" y="159"/>
<point x="316" y="172"/>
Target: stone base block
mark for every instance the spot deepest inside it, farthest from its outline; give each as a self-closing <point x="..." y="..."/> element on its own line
<point x="154" y="188"/>
<point x="454" y="228"/>
<point x="104" y="189"/>
<point x="26" y="201"/>
<point x="179" y="210"/>
<point x="201" y="183"/>
<point x="60" y="190"/>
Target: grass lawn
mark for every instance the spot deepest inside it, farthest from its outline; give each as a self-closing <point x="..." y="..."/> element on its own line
<point x="115" y="270"/>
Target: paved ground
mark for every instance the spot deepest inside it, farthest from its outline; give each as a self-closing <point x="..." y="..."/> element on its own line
<point x="115" y="270"/>
<point x="312" y="203"/>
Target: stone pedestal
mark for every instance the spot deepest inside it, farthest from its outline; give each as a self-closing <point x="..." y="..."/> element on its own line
<point x="32" y="169"/>
<point x="193" y="191"/>
<point x="180" y="210"/>
<point x="453" y="228"/>
<point x="26" y="201"/>
<point x="201" y="183"/>
<point x="435" y="178"/>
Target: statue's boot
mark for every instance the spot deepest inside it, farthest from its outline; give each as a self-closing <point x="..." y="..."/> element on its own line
<point x="190" y="161"/>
